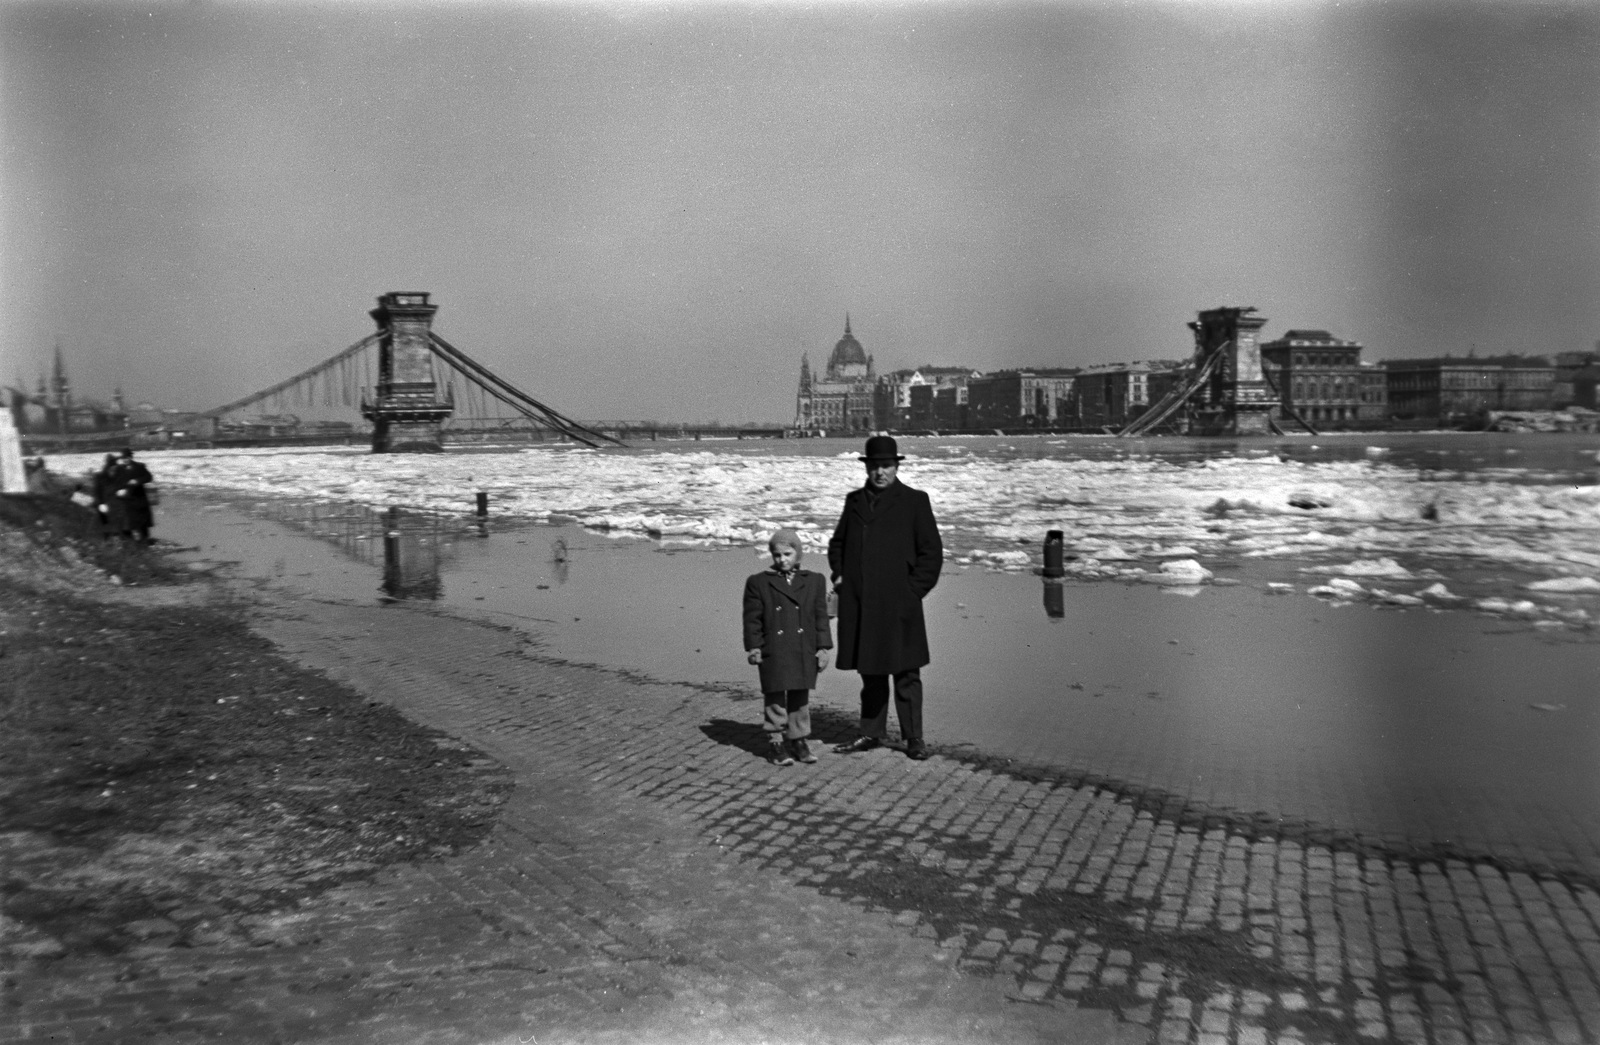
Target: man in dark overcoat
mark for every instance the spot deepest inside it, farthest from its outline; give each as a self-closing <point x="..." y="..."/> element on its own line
<point x="885" y="557"/>
<point x="131" y="479"/>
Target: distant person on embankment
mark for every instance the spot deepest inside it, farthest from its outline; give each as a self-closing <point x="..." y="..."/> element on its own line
<point x="36" y="475"/>
<point x="107" y="505"/>
<point x="132" y="481"/>
<point x="885" y="556"/>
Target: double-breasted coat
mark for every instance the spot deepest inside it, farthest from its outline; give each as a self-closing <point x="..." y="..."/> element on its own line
<point x="887" y="555"/>
<point x="787" y="620"/>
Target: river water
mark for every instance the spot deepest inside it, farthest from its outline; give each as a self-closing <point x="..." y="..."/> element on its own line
<point x="1426" y="696"/>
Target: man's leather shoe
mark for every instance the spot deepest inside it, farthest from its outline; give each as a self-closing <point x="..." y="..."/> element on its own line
<point x="916" y="750"/>
<point x="858" y="745"/>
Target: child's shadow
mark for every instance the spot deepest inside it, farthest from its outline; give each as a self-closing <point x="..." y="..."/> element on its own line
<point x="827" y="728"/>
<point x="745" y="736"/>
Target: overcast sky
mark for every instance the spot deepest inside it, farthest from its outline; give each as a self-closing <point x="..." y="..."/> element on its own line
<point x="652" y="210"/>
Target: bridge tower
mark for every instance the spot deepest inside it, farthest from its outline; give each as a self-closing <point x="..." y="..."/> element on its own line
<point x="406" y="410"/>
<point x="1236" y="399"/>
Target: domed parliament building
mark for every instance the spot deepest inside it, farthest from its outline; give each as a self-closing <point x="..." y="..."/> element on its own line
<point x="841" y="399"/>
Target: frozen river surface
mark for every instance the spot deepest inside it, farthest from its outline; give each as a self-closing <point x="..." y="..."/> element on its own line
<point x="1471" y="724"/>
<point x="1512" y="519"/>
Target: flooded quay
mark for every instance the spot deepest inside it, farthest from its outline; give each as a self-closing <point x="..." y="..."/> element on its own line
<point x="1419" y="726"/>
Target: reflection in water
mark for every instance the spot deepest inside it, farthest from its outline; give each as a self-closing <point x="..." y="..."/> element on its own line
<point x="1055" y="600"/>
<point x="411" y="566"/>
<point x="415" y="545"/>
<point x="558" y="557"/>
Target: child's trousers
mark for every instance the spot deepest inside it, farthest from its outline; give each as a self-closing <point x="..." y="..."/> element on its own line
<point x="788" y="713"/>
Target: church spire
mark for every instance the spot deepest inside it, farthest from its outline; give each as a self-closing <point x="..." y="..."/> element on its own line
<point x="847" y="323"/>
<point x="60" y="387"/>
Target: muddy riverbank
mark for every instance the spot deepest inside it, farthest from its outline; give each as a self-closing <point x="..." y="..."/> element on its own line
<point x="167" y="778"/>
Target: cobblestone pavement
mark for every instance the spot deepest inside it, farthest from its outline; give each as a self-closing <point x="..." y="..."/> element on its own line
<point x="654" y="879"/>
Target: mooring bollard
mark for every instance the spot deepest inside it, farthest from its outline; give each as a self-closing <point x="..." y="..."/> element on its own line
<point x="1053" y="564"/>
<point x="483" y="503"/>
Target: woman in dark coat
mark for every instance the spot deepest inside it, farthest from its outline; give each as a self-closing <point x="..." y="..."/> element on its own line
<point x="787" y="634"/>
<point x="886" y="556"/>
<point x="107" y="505"/>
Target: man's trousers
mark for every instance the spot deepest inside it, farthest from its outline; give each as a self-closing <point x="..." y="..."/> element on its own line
<point x="907" y="704"/>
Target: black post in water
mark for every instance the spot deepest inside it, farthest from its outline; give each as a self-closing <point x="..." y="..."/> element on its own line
<point x="483" y="504"/>
<point x="1053" y="565"/>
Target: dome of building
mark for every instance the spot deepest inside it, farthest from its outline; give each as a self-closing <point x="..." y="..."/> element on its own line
<point x="848" y="352"/>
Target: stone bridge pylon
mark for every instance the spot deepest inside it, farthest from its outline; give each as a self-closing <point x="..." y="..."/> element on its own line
<point x="406" y="409"/>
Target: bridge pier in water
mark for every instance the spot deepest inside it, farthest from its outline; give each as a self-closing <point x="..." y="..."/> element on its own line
<point x="1236" y="399"/>
<point x="406" y="410"/>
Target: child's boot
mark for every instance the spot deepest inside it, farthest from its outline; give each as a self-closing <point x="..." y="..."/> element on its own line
<point x="778" y="753"/>
<point x="801" y="750"/>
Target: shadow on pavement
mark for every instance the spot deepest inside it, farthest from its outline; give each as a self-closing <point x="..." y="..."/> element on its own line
<point x="827" y="728"/>
<point x="747" y="736"/>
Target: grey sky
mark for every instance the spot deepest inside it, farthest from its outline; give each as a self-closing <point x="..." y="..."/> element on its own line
<point x="651" y="210"/>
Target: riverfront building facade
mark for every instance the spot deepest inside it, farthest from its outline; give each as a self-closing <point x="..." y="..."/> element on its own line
<point x="1451" y="389"/>
<point x="1032" y="398"/>
<point x="1322" y="379"/>
<point x="911" y="400"/>
<point x="1112" y="395"/>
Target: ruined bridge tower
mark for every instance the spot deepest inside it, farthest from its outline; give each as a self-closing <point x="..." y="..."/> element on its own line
<point x="1236" y="399"/>
<point x="406" y="410"/>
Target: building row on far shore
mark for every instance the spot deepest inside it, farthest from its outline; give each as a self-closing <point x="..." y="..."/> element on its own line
<point x="1316" y="376"/>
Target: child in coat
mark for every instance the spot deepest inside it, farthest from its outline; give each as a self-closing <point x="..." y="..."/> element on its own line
<point x="787" y="635"/>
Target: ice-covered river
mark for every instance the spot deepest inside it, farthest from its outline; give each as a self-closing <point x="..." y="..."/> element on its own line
<point x="1500" y="523"/>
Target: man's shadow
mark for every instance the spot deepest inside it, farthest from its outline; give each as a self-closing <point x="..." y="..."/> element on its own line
<point x="828" y="728"/>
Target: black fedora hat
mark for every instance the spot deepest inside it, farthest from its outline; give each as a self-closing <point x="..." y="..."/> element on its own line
<point x="882" y="448"/>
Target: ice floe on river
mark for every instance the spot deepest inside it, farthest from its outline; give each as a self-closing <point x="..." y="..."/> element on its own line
<point x="1366" y="518"/>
